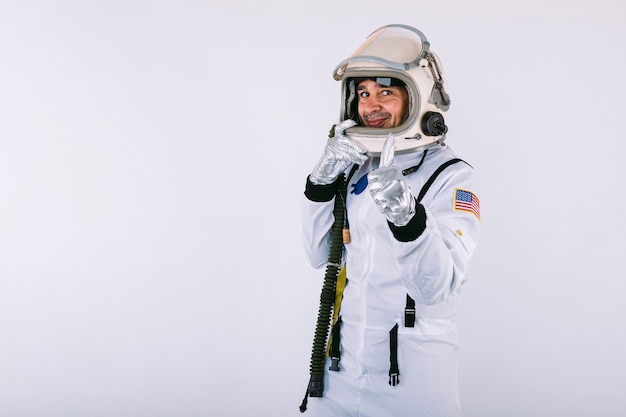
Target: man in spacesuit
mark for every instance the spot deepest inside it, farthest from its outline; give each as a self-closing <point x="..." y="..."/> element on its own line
<point x="413" y="214"/>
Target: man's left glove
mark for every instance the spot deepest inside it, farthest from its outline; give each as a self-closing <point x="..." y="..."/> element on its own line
<point x="389" y="190"/>
<point x="340" y="152"/>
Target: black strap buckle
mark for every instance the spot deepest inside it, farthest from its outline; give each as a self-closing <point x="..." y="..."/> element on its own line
<point x="394" y="370"/>
<point x="394" y="378"/>
<point x="409" y="312"/>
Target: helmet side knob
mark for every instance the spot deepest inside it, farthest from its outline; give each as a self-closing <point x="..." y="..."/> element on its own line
<point x="433" y="124"/>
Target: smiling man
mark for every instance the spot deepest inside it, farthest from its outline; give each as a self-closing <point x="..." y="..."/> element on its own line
<point x="393" y="215"/>
<point x="382" y="102"/>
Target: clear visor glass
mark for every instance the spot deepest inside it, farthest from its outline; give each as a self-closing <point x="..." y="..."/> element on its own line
<point x="392" y="96"/>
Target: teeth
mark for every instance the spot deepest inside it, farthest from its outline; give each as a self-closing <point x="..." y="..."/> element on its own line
<point x="377" y="116"/>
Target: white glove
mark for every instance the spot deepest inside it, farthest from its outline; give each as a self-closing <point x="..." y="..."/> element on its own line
<point x="339" y="154"/>
<point x="389" y="190"/>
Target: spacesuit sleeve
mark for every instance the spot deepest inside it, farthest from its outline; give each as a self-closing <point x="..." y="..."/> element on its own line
<point x="316" y="220"/>
<point x="433" y="266"/>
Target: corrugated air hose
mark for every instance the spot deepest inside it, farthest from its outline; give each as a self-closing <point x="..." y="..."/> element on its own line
<point x="327" y="299"/>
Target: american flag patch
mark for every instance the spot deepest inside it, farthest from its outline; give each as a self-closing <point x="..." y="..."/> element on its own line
<point x="467" y="201"/>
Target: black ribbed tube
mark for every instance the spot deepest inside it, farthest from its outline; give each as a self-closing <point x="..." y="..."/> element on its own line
<point x="327" y="299"/>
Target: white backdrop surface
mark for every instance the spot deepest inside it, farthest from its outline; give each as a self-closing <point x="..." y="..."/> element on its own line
<point x="152" y="157"/>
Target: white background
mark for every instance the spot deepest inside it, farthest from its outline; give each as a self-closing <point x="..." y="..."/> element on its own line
<point x="152" y="158"/>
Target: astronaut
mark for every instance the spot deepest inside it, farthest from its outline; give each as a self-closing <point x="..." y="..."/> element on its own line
<point x="413" y="213"/>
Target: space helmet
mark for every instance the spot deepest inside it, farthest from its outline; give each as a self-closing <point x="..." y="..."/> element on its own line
<point x="397" y="55"/>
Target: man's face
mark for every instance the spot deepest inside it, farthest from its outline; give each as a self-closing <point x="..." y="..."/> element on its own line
<point x="381" y="106"/>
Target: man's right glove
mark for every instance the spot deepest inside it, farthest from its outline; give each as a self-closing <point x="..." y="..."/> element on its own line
<point x="389" y="190"/>
<point x="339" y="154"/>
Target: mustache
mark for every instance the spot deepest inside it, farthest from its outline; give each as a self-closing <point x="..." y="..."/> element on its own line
<point x="377" y="115"/>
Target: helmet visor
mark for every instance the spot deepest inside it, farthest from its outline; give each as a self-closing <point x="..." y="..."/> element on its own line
<point x="395" y="46"/>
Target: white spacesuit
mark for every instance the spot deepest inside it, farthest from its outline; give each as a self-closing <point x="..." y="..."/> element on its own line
<point x="414" y="219"/>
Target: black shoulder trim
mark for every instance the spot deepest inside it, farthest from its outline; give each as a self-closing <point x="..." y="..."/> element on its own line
<point x="435" y="175"/>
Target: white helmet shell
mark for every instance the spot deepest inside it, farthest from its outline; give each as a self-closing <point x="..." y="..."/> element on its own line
<point x="398" y="52"/>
